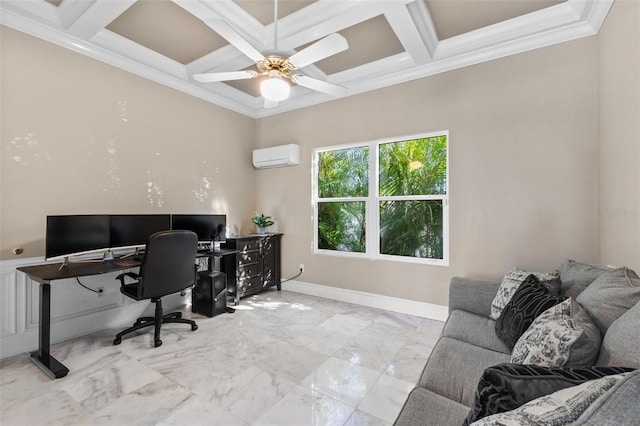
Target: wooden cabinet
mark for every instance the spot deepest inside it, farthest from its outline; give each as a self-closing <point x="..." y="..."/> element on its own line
<point x="254" y="267"/>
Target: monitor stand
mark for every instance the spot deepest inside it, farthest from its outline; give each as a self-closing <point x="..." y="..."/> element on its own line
<point x="64" y="263"/>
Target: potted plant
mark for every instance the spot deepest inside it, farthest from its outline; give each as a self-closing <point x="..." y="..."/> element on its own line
<point x="262" y="221"/>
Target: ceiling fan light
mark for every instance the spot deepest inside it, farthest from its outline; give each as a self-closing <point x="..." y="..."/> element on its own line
<point x="275" y="88"/>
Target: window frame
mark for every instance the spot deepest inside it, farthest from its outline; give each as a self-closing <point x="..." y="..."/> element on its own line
<point x="373" y="200"/>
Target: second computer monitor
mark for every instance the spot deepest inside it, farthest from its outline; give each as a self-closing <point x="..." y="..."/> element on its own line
<point x="208" y="227"/>
<point x="134" y="229"/>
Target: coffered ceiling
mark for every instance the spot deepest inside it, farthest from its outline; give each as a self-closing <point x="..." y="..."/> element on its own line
<point x="390" y="41"/>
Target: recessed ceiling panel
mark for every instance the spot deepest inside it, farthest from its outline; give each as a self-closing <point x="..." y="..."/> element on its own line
<point x="262" y="10"/>
<point x="368" y="41"/>
<point x="165" y="27"/>
<point x="454" y="17"/>
<point x="381" y="53"/>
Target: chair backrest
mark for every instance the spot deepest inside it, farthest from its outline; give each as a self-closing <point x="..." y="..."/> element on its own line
<point x="169" y="263"/>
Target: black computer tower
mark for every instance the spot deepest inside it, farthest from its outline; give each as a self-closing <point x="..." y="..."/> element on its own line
<point x="209" y="296"/>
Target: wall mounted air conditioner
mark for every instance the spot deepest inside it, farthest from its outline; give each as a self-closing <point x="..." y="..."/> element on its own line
<point x="276" y="156"/>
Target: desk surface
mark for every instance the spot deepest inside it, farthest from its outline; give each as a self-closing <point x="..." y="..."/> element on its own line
<point x="51" y="271"/>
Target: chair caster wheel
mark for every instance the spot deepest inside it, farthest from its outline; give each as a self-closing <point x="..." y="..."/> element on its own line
<point x="157" y="343"/>
<point x="117" y="341"/>
<point x="194" y="327"/>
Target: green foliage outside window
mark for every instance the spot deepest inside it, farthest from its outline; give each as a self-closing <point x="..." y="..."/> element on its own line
<point x="415" y="167"/>
<point x="341" y="226"/>
<point x="412" y="168"/>
<point x="412" y="184"/>
<point x="344" y="173"/>
<point x="411" y="228"/>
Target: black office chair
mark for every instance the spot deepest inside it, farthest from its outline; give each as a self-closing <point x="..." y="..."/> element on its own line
<point x="168" y="266"/>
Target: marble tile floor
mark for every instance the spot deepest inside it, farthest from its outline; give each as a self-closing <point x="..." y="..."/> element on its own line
<point x="282" y="358"/>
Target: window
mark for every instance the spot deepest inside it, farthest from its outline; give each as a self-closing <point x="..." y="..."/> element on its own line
<point x="384" y="199"/>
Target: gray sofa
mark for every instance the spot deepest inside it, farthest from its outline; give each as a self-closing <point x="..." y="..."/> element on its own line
<point x="468" y="345"/>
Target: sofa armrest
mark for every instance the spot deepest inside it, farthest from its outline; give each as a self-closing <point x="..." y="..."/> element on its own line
<point x="472" y="295"/>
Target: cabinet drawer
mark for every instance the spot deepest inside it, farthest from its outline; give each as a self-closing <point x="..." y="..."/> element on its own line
<point x="246" y="285"/>
<point x="246" y="245"/>
<point x="246" y="271"/>
<point x="247" y="257"/>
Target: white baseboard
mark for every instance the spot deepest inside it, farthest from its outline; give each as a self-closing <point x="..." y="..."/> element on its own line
<point x="395" y="304"/>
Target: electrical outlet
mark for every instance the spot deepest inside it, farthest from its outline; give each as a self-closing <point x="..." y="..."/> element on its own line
<point x="302" y="267"/>
<point x="100" y="291"/>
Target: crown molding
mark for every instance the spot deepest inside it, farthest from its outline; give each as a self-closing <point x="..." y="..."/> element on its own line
<point x="78" y="26"/>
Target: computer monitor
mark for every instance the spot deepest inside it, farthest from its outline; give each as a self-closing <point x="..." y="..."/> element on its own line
<point x="132" y="230"/>
<point x="68" y="235"/>
<point x="208" y="227"/>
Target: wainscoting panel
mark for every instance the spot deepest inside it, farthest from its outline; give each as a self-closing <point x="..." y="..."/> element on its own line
<point x="70" y="300"/>
<point x="75" y="311"/>
<point x="8" y="316"/>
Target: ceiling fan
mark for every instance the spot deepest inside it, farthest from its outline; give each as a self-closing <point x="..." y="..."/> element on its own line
<point x="280" y="72"/>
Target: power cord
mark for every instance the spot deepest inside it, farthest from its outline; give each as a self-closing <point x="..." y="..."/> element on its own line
<point x="90" y="289"/>
<point x="294" y="277"/>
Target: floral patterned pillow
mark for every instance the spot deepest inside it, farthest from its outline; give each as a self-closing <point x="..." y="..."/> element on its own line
<point x="559" y="408"/>
<point x="514" y="279"/>
<point x="562" y="336"/>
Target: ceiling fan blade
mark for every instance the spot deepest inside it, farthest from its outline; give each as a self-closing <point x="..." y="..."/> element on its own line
<point x="319" y="85"/>
<point x="330" y="45"/>
<point x="270" y="104"/>
<point x="224" y="76"/>
<point x="232" y="36"/>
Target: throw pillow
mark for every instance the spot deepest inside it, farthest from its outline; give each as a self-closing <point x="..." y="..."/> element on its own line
<point x="505" y="387"/>
<point x="550" y="279"/>
<point x="610" y="295"/>
<point x="530" y="300"/>
<point x="620" y="344"/>
<point x="619" y="406"/>
<point x="576" y="276"/>
<point x="559" y="408"/>
<point x="563" y="335"/>
<point x="510" y="283"/>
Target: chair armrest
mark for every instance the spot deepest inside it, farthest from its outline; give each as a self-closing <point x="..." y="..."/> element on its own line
<point x="122" y="276"/>
<point x="472" y="295"/>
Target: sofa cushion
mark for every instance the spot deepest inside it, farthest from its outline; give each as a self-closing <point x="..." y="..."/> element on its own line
<point x="576" y="276"/>
<point x="620" y="344"/>
<point x="454" y="368"/>
<point x="474" y="329"/>
<point x="424" y="407"/>
<point x="505" y="387"/>
<point x="472" y="295"/>
<point x="563" y="335"/>
<point x="610" y="295"/>
<point x="561" y="407"/>
<point x="530" y="300"/>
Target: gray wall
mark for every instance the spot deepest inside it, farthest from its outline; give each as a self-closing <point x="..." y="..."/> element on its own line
<point x="79" y="136"/>
<point x="523" y="156"/>
<point x="619" y="136"/>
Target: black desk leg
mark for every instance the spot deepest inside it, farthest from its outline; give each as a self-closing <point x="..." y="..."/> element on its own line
<point x="42" y="358"/>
